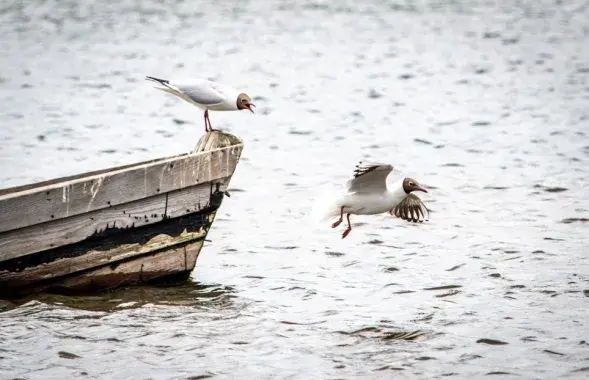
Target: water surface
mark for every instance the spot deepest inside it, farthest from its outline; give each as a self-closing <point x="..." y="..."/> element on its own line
<point x="485" y="103"/>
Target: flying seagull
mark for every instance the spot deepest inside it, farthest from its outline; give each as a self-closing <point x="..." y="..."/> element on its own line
<point x="367" y="194"/>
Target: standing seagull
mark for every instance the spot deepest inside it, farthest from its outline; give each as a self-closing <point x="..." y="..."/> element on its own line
<point x="367" y="194"/>
<point x="207" y="95"/>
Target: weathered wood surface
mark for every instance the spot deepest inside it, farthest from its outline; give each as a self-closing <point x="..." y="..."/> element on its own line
<point x="98" y="258"/>
<point x="216" y="140"/>
<point x="81" y="175"/>
<point x="107" y="229"/>
<point x="143" y="270"/>
<point x="106" y="189"/>
<point x="138" y="213"/>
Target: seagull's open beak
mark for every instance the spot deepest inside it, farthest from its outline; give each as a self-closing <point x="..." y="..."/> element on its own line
<point x="249" y="107"/>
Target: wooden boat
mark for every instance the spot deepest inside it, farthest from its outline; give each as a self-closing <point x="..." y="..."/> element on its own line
<point x="139" y="223"/>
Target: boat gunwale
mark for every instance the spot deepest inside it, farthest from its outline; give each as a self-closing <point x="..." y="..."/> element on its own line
<point x="20" y="190"/>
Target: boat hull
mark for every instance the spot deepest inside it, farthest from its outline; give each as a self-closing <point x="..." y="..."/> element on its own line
<point x="155" y="238"/>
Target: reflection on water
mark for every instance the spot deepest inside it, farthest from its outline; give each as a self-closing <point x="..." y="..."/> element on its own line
<point x="484" y="102"/>
<point x="190" y="295"/>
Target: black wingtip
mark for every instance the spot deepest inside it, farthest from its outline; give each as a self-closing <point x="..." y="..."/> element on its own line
<point x="162" y="81"/>
<point x="361" y="170"/>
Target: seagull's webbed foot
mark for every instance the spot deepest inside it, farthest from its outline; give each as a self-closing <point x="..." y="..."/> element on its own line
<point x="349" y="229"/>
<point x="346" y="232"/>
<point x="341" y="218"/>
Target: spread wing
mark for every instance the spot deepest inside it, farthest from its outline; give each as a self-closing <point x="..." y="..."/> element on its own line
<point x="369" y="178"/>
<point x="411" y="209"/>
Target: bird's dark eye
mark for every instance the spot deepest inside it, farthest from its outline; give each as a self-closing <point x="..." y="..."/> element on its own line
<point x="411" y="183"/>
<point x="244" y="100"/>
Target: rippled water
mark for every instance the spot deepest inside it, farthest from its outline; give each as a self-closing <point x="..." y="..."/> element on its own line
<point x="484" y="102"/>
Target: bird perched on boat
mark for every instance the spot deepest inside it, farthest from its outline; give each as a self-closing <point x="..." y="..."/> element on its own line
<point x="367" y="194"/>
<point x="206" y="95"/>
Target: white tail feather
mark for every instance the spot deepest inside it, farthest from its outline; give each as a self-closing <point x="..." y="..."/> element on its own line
<point x="325" y="206"/>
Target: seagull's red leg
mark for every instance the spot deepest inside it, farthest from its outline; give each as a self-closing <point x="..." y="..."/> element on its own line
<point x="209" y="120"/>
<point x="206" y="118"/>
<point x="347" y="231"/>
<point x="340" y="220"/>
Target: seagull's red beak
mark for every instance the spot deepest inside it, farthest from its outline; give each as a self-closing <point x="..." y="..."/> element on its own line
<point x="249" y="107"/>
<point x="419" y="188"/>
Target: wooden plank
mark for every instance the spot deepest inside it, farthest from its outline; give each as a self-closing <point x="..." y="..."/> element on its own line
<point x="141" y="270"/>
<point x="84" y="175"/>
<point x="82" y="195"/>
<point x="207" y="141"/>
<point x="98" y="258"/>
<point x="40" y="237"/>
<point x="192" y="251"/>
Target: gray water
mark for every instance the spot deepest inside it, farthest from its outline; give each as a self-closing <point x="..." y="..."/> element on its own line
<point x="484" y="102"/>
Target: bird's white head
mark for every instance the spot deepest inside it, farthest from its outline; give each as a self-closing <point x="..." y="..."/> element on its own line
<point x="244" y="102"/>
<point x="409" y="185"/>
